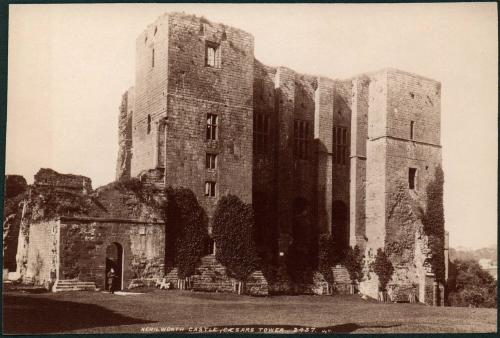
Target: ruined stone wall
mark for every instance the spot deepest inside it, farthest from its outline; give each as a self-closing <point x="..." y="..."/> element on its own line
<point x="83" y="245"/>
<point x="194" y="90"/>
<point x="42" y="252"/>
<point x="151" y="80"/>
<point x="15" y="195"/>
<point x="51" y="178"/>
<point x="123" y="162"/>
<point x="404" y="134"/>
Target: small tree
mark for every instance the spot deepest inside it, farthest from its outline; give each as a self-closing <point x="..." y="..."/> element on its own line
<point x="471" y="285"/>
<point x="326" y="256"/>
<point x="186" y="230"/>
<point x="233" y="234"/>
<point x="383" y="268"/>
<point x="354" y="263"/>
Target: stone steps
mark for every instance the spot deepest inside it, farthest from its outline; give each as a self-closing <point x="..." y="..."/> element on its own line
<point x="342" y="282"/>
<point x="212" y="276"/>
<point x="73" y="285"/>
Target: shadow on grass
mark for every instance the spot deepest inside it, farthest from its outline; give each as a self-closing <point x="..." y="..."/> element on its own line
<point x="30" y="315"/>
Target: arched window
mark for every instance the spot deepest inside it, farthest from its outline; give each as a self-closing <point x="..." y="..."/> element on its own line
<point x="149" y="124"/>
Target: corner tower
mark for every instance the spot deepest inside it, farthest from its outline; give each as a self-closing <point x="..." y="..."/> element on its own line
<point x="403" y="155"/>
<point x="193" y="119"/>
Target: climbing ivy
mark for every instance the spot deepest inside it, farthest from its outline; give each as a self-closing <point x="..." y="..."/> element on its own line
<point x="186" y="231"/>
<point x="353" y="261"/>
<point x="433" y="221"/>
<point x="233" y="223"/>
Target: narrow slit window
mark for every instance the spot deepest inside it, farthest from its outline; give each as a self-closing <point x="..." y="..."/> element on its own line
<point x="212" y="55"/>
<point x="211" y="161"/>
<point x="153" y="58"/>
<point x="149" y="124"/>
<point x="412" y="130"/>
<point x="340" y="145"/>
<point x="412" y="175"/>
<point x="212" y="121"/>
<point x="301" y="139"/>
<point x="260" y="133"/>
<point x="210" y="189"/>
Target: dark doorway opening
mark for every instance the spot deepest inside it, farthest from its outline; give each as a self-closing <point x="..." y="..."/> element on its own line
<point x="340" y="226"/>
<point x="114" y="259"/>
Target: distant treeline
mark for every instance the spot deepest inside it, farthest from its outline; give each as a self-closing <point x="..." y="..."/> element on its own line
<point x="488" y="253"/>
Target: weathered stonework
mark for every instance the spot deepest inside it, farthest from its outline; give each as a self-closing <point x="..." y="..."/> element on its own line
<point x="350" y="157"/>
<point x="66" y="230"/>
<point x="391" y="119"/>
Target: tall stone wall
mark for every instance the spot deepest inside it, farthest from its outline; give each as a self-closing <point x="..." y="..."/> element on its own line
<point x="341" y="168"/>
<point x="359" y="135"/>
<point x="151" y="82"/>
<point x="42" y="252"/>
<point x="195" y="90"/>
<point x="323" y="128"/>
<point x="284" y="83"/>
<point x="376" y="162"/>
<point x="391" y="119"/>
<point x="403" y="153"/>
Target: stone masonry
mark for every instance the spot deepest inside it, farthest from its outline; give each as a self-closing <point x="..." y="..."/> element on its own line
<point x="357" y="153"/>
<point x="71" y="235"/>
<point x="349" y="157"/>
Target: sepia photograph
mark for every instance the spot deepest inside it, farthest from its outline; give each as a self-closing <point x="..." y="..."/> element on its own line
<point x="250" y="168"/>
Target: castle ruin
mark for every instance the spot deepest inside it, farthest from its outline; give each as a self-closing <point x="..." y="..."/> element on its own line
<point x="351" y="157"/>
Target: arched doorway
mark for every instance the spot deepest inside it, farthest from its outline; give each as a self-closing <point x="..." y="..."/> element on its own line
<point x="340" y="225"/>
<point x="114" y="259"/>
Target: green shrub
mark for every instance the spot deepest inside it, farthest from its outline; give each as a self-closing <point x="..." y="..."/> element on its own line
<point x="433" y="221"/>
<point x="14" y="185"/>
<point x="470" y="285"/>
<point x="383" y="268"/>
<point x="233" y="235"/>
<point x="326" y="256"/>
<point x="353" y="262"/>
<point x="186" y="231"/>
<point x="131" y="184"/>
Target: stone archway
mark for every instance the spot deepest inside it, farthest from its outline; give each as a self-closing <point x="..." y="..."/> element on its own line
<point x="340" y="225"/>
<point x="114" y="259"/>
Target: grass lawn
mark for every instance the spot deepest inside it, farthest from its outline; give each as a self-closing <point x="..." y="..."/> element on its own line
<point x="155" y="310"/>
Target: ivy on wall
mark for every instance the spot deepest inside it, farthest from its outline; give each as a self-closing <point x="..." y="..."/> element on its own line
<point x="433" y="221"/>
<point x="186" y="231"/>
<point x="354" y="261"/>
<point x="233" y="224"/>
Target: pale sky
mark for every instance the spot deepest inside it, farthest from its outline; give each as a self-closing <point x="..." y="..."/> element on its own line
<point x="70" y="64"/>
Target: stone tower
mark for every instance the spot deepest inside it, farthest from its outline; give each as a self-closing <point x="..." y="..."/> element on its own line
<point x="403" y="152"/>
<point x="352" y="157"/>
<point x="192" y="121"/>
